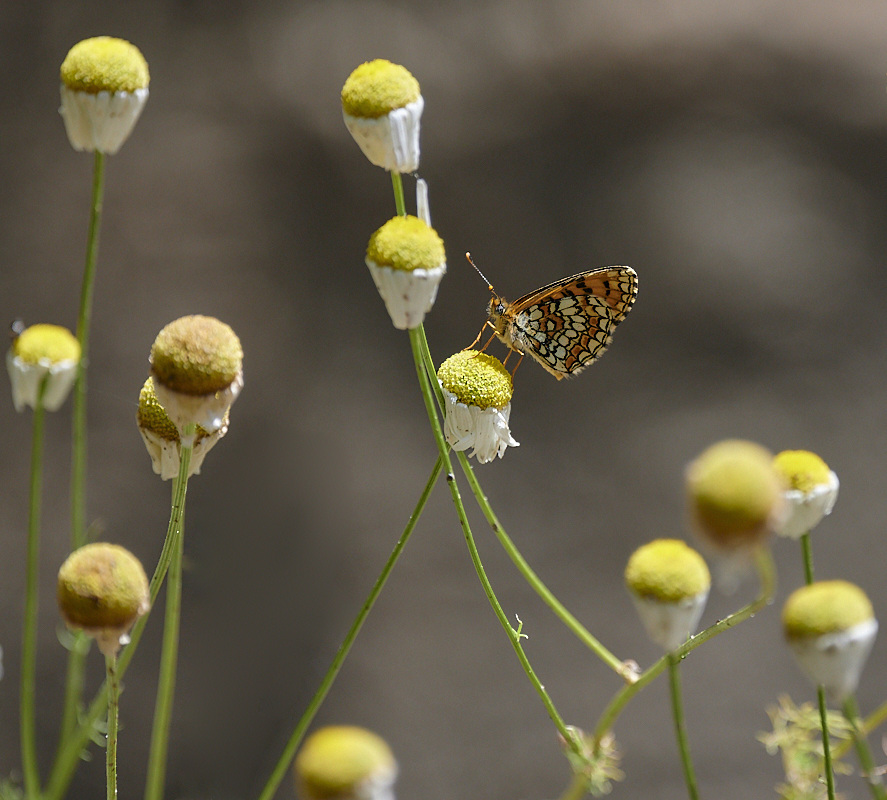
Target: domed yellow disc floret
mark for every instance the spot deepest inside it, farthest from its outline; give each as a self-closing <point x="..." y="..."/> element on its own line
<point x="476" y="379"/>
<point x="825" y="607"/>
<point x="734" y="492"/>
<point x="667" y="570"/>
<point x="105" y="64"/>
<point x="377" y="88"/>
<point x="51" y="343"/>
<point x="802" y="470"/>
<point x="335" y="761"/>
<point x="406" y="243"/>
<point x="196" y="355"/>
<point x="102" y="586"/>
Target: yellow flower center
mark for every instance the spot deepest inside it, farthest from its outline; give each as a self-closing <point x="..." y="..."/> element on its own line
<point x="406" y="243"/>
<point x="801" y="469"/>
<point x="105" y="64"/>
<point x="377" y="88"/>
<point x="825" y="607"/>
<point x="668" y="570"/>
<point x="50" y="342"/>
<point x="476" y="379"/>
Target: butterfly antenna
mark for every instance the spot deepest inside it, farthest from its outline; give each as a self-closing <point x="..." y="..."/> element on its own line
<point x="489" y="285"/>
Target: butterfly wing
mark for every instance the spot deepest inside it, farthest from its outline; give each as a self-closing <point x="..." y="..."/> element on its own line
<point x="567" y="325"/>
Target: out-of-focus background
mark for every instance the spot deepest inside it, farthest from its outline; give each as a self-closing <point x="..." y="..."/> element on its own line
<point x="733" y="153"/>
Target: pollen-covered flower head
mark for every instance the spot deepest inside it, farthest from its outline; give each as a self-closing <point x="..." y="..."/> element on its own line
<point x="162" y="439"/>
<point x="104" y="89"/>
<point x="477" y="391"/>
<point x="382" y="107"/>
<point x="810" y="493"/>
<point x="669" y="583"/>
<point x="830" y="626"/>
<point x="344" y="762"/>
<point x="102" y="590"/>
<point x="40" y="352"/>
<point x="407" y="261"/>
<point x="197" y="367"/>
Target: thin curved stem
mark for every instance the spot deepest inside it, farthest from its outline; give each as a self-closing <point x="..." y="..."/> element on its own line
<point x="863" y="752"/>
<point x="76" y="669"/>
<point x="113" y="717"/>
<point x="292" y="745"/>
<point x="418" y="342"/>
<point x="677" y="710"/>
<point x="766" y="575"/>
<point x="28" y="723"/>
<point x="170" y="650"/>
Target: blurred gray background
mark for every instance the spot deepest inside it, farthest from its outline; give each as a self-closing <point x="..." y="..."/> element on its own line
<point x="733" y="153"/>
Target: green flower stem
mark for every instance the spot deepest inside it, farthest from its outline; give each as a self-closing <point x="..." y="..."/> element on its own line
<point x="417" y="341"/>
<point x="292" y="745"/>
<point x="807" y="553"/>
<point x="677" y="709"/>
<point x="71" y="746"/>
<point x="76" y="669"/>
<point x="863" y="752"/>
<point x="28" y="723"/>
<point x="399" y="203"/>
<point x="113" y="716"/>
<point x="170" y="650"/>
<point x="766" y="575"/>
<point x="826" y="744"/>
<point x="583" y="634"/>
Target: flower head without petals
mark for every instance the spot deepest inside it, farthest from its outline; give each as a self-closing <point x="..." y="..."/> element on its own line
<point x="197" y="366"/>
<point x="41" y="352"/>
<point x="477" y="390"/>
<point x="669" y="583"/>
<point x="382" y="107"/>
<point x="830" y="626"/>
<point x="102" y="589"/>
<point x="104" y="87"/>
<point x="162" y="439"/>
<point x="407" y="260"/>
<point x="344" y="762"/>
<point x="812" y="489"/>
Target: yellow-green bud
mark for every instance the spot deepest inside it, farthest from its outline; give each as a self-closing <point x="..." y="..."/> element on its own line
<point x="735" y="494"/>
<point x="197" y="366"/>
<point x="477" y="379"/>
<point x="152" y="416"/>
<point x="811" y="490"/>
<point x="339" y="762"/>
<point x="102" y="589"/>
<point x="105" y="64"/>
<point x="42" y="353"/>
<point x="407" y="262"/>
<point x="830" y="627"/>
<point x="104" y="89"/>
<point x="825" y="607"/>
<point x="378" y="87"/>
<point x="406" y="243"/>
<point x="667" y="570"/>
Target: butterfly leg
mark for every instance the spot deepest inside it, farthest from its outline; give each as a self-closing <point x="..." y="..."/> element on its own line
<point x="479" y="334"/>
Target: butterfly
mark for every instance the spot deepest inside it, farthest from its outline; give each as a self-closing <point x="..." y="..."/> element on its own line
<point x="565" y="325"/>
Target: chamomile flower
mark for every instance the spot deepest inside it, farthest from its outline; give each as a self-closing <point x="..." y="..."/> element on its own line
<point x="407" y="260"/>
<point x="343" y="762"/>
<point x="477" y="391"/>
<point x="162" y="439"/>
<point x="812" y="489"/>
<point x="197" y="367"/>
<point x="102" y="590"/>
<point x="735" y="499"/>
<point x="669" y="584"/>
<point x="104" y="89"/>
<point x="41" y="352"/>
<point x="382" y="107"/>
<point x="831" y="627"/>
